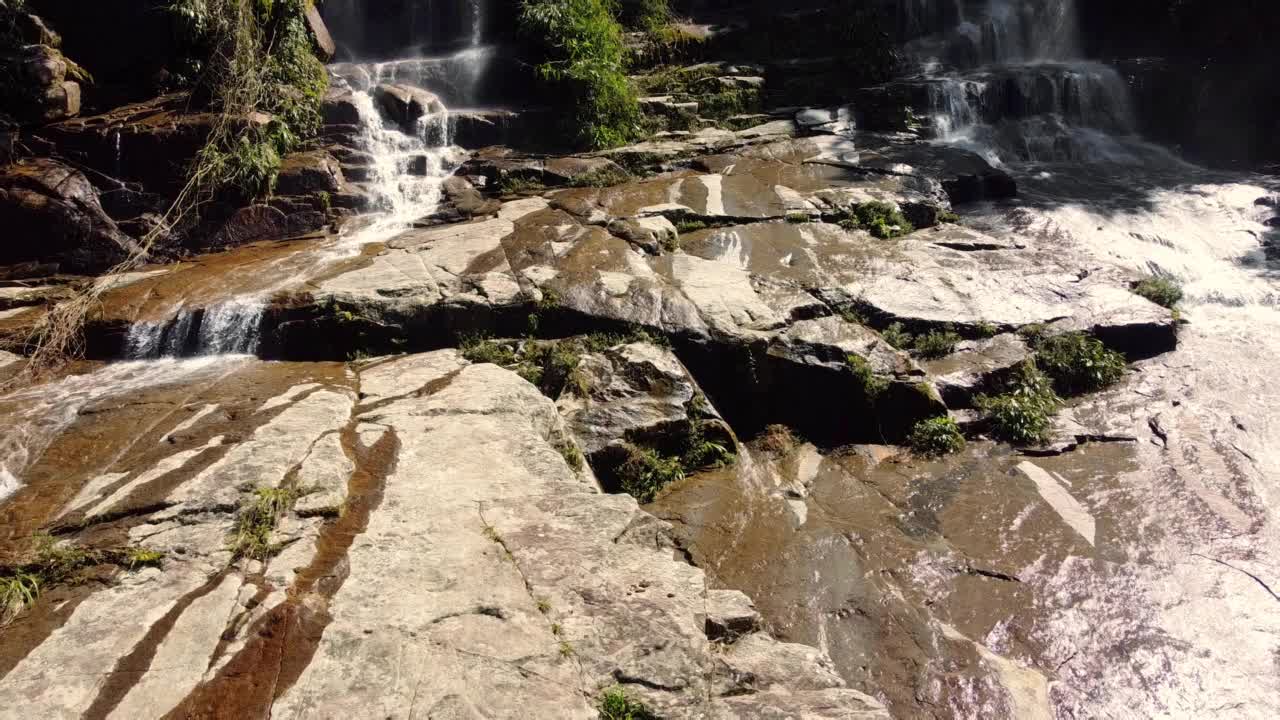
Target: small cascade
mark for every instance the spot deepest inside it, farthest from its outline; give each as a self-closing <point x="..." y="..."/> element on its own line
<point x="405" y="163"/>
<point x="230" y="328"/>
<point x="1005" y="82"/>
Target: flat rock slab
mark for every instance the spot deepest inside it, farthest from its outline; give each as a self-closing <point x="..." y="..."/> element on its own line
<point x="443" y="558"/>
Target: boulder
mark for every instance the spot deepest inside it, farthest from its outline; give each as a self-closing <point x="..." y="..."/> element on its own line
<point x="339" y="108"/>
<point x="404" y="104"/>
<point x="38" y="89"/>
<point x="50" y="213"/>
<point x="310" y="171"/>
<point x="319" y="33"/>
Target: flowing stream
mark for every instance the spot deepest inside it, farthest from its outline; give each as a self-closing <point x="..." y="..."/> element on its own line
<point x="405" y="169"/>
<point x="1115" y="580"/>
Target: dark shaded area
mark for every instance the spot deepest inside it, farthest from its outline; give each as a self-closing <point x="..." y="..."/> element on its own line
<point x="1206" y="80"/>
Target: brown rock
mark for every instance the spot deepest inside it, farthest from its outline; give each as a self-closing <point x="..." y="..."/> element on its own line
<point x="308" y="172"/>
<point x="50" y="213"/>
<point x="320" y="33"/>
<point x="404" y="104"/>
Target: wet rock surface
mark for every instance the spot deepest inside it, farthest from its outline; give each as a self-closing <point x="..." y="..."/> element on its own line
<point x="440" y="554"/>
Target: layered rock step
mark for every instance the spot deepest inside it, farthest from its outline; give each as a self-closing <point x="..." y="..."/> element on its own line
<point x="434" y="552"/>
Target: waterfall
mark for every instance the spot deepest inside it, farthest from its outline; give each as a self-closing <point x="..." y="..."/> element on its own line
<point x="229" y="328"/>
<point x="1006" y="82"/>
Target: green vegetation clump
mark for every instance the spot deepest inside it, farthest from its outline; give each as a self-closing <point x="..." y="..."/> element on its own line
<point x="728" y="102"/>
<point x="256" y="521"/>
<point x="615" y="705"/>
<point x="1079" y="363"/>
<point x="245" y="58"/>
<point x="57" y="563"/>
<point x="572" y="455"/>
<point x="688" y="225"/>
<point x="873" y="386"/>
<point x="881" y="219"/>
<point x="798" y="218"/>
<point x="512" y="184"/>
<point x="936" y="436"/>
<point x="1159" y="290"/>
<point x="897" y="336"/>
<point x="937" y="343"/>
<point x="1022" y="413"/>
<point x="946" y="216"/>
<point x="648" y="15"/>
<point x="582" y="61"/>
<point x="478" y="349"/>
<point x="645" y="471"/>
<point x="700" y="451"/>
<point x="607" y="176"/>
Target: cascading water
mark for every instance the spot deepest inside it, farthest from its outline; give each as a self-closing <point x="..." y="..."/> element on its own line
<point x="405" y="166"/>
<point x="1092" y="190"/>
<point x="1007" y="82"/>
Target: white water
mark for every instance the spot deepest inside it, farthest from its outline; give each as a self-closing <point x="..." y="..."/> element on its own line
<point x="34" y="417"/>
<point x="404" y="180"/>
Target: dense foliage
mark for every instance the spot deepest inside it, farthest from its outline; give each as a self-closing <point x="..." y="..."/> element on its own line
<point x="1079" y="363"/>
<point x="649" y="15"/>
<point x="579" y="52"/>
<point x="936" y="436"/>
<point x="1160" y="291"/>
<point x="1022" y="413"/>
<point x="243" y="58"/>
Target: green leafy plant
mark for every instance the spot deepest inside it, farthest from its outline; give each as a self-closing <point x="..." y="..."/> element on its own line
<point x="1079" y="363"/>
<point x="873" y="386"/>
<point x="582" y="60"/>
<point x="645" y="471"/>
<point x="648" y="15"/>
<point x="55" y="563"/>
<point x="881" y="219"/>
<point x="1159" y="290"/>
<point x="897" y="336"/>
<point x="479" y="349"/>
<point x="572" y="455"/>
<point x="251" y="537"/>
<point x="704" y="453"/>
<point x="1022" y="413"/>
<point x="936" y="436"/>
<point x="18" y="592"/>
<point x="937" y="343"/>
<point x="615" y="705"/>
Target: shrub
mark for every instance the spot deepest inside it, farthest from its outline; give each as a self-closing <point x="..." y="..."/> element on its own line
<point x="245" y="58"/>
<point x="873" y="386"/>
<point x="648" y="15"/>
<point x="615" y="705"/>
<point x="1022" y="413"/>
<point x="1161" y="291"/>
<point x="645" y="471"/>
<point x="702" y="452"/>
<point x="1079" y="363"/>
<point x="581" y="53"/>
<point x="881" y="219"/>
<point x="478" y="349"/>
<point x="936" y="436"/>
<point x="937" y="343"/>
<point x="897" y="336"/>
